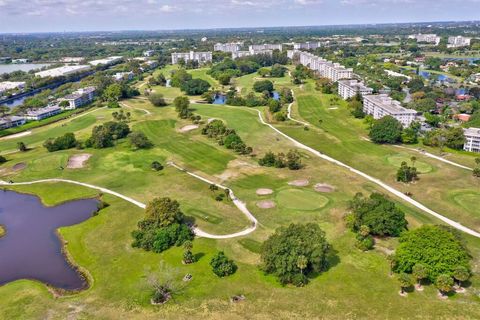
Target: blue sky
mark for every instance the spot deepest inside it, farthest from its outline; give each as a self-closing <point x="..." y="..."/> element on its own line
<point x="78" y="15"/>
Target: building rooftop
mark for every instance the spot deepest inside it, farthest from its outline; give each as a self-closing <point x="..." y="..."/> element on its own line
<point x="41" y="111"/>
<point x="387" y="103"/>
<point x="472" y="132"/>
<point x="108" y="60"/>
<point x="62" y="71"/>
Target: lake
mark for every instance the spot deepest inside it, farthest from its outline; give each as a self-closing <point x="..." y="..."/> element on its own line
<point x="31" y="248"/>
<point x="11" y="67"/>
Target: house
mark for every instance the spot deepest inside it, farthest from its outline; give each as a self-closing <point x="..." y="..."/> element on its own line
<point x="79" y="98"/>
<point x="463" y="117"/>
<point x="10" y="122"/>
<point x="42" y="113"/>
<point x="382" y="105"/>
<point x="472" y="139"/>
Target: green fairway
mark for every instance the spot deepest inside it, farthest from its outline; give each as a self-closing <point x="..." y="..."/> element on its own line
<point x="397" y="160"/>
<point x="300" y="199"/>
<point x="469" y="201"/>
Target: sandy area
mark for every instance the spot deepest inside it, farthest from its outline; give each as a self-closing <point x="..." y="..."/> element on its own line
<point x="78" y="161"/>
<point x="299" y="183"/>
<point x="266" y="204"/>
<point x="322" y="187"/>
<point x="333" y="108"/>
<point x="189" y="128"/>
<point x="264" y="192"/>
<point x="19" y="166"/>
<point x="17" y="135"/>
<point x="210" y="120"/>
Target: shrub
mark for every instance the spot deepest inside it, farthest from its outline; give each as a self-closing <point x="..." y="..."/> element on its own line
<point x="2" y="159"/>
<point x="222" y="266"/>
<point x="67" y="141"/>
<point x="140" y="141"/>
<point x="152" y="237"/>
<point x="386" y="130"/>
<point x="264" y="85"/>
<point x="164" y="211"/>
<point x="157" y="99"/>
<point x="406" y="173"/>
<point x="157" y="166"/>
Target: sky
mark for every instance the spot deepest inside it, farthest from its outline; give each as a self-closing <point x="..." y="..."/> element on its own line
<point x="99" y="15"/>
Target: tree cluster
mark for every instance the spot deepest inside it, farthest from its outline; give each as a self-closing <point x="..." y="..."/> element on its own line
<point x="291" y="160"/>
<point x="406" y="173"/>
<point x="226" y="137"/>
<point x="222" y="266"/>
<point x="67" y="141"/>
<point x="105" y="135"/>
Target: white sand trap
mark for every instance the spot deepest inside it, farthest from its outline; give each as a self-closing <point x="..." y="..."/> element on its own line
<point x="299" y="183"/>
<point x="210" y="120"/>
<point x="18" y="135"/>
<point x="333" y="108"/>
<point x="266" y="204"/>
<point x="264" y="192"/>
<point x="322" y="187"/>
<point x="78" y="161"/>
<point x="189" y="128"/>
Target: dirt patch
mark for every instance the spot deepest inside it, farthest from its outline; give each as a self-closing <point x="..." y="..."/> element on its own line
<point x="322" y="187"/>
<point x="266" y="204"/>
<point x="78" y="161"/>
<point x="19" y="166"/>
<point x="236" y="168"/>
<point x="264" y="192"/>
<point x="189" y="128"/>
<point x="299" y="183"/>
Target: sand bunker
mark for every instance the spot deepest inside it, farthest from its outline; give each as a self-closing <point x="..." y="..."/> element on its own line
<point x="299" y="183"/>
<point x="78" y="161"/>
<point x="210" y="120"/>
<point x="266" y="204"/>
<point x="322" y="187"/>
<point x="17" y="135"/>
<point x="189" y="128"/>
<point x="19" y="166"/>
<point x="264" y="192"/>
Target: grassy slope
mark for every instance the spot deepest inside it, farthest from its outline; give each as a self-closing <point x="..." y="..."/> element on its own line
<point x="356" y="286"/>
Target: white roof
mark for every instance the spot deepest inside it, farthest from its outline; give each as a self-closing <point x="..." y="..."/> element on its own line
<point x="108" y="60"/>
<point x="62" y="71"/>
<point x="472" y="132"/>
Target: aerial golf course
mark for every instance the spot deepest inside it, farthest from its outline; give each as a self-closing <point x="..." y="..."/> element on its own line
<point x="356" y="284"/>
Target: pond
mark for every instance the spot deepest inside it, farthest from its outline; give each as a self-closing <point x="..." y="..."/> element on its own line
<point x="11" y="67"/>
<point x="219" y="99"/>
<point x="439" y="77"/>
<point x="31" y="249"/>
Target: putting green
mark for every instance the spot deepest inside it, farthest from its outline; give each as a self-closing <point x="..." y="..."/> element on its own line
<point x="49" y="161"/>
<point x="298" y="199"/>
<point x="469" y="201"/>
<point x="397" y="160"/>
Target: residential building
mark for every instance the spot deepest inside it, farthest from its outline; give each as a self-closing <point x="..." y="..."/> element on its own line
<point x="79" y="98"/>
<point x="62" y="71"/>
<point x="10" y="122"/>
<point x="430" y="38"/>
<point x="458" y="41"/>
<point x="72" y="59"/>
<point x="120" y="76"/>
<point x="201" y="57"/>
<point x="307" y="45"/>
<point x="240" y="54"/>
<point x="42" y="113"/>
<point x="324" y="68"/>
<point x="9" y="85"/>
<point x="382" y="105"/>
<point x="110" y="61"/>
<point x="267" y="46"/>
<point x="472" y="139"/>
<point x="20" y="61"/>
<point x="228" y="47"/>
<point x="350" y="88"/>
<point x="148" y="53"/>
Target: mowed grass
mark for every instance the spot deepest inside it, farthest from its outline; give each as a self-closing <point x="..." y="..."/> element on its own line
<point x="300" y="199"/>
<point x="397" y="160"/>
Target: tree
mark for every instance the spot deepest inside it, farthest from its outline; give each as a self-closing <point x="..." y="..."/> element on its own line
<point x="21" y="147"/>
<point x="113" y="93"/>
<point x="461" y="274"/>
<point x="264" y="85"/>
<point x="165" y="284"/>
<point x="406" y="173"/>
<point x="405" y="281"/>
<point x="222" y="266"/>
<point x="188" y="256"/>
<point x="280" y="252"/>
<point x="195" y="87"/>
<point x="157" y="99"/>
<point x="104" y="136"/>
<point x="378" y="213"/>
<point x="293" y="160"/>
<point x="2" y="159"/>
<point x="444" y="284"/>
<point x="435" y="247"/>
<point x="164" y="211"/>
<point x="182" y="105"/>
<point x="140" y="141"/>
<point x="386" y="130"/>
<point x="67" y="141"/>
<point x="157" y="166"/>
<point x="419" y="272"/>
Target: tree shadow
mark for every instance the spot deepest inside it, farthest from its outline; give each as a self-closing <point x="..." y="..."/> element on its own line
<point x="199" y="256"/>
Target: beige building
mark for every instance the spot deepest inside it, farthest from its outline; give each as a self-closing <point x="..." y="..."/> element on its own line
<point x="472" y="139"/>
<point x="382" y="105"/>
<point x="350" y="88"/>
<point x="201" y="57"/>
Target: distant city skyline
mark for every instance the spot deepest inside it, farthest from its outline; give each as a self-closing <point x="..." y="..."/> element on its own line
<point x="95" y="15"/>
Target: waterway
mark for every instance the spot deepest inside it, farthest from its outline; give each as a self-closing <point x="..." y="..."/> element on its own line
<point x="11" y="67"/>
<point x="31" y="249"/>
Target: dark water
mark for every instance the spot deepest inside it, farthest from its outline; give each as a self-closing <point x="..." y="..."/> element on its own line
<point x="219" y="99"/>
<point x="31" y="249"/>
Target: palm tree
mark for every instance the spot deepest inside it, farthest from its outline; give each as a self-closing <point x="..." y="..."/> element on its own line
<point x="413" y="159"/>
<point x="477" y="161"/>
<point x="444" y="284"/>
<point x="461" y="274"/>
<point x="419" y="272"/>
<point x="302" y="262"/>
<point x="364" y="230"/>
<point x="405" y="281"/>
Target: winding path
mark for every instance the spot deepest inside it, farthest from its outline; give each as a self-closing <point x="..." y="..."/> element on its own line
<point x="382" y="184"/>
<point x="289" y="113"/>
<point x="123" y="104"/>
<point x="430" y="155"/>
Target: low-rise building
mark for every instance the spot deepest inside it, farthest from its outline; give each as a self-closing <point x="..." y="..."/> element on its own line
<point x="472" y="139"/>
<point x="42" y="113"/>
<point x="266" y="46"/>
<point x="110" y="61"/>
<point x="120" y="76"/>
<point x="382" y="105"/>
<point x="228" y="47"/>
<point x="307" y="45"/>
<point x="10" y="122"/>
<point x="148" y="53"/>
<point x="62" y="71"/>
<point x="20" y="61"/>
<point x="458" y="41"/>
<point x="240" y="54"/>
<point x="9" y="85"/>
<point x="430" y="38"/>
<point x="79" y="98"/>
<point x="201" y="57"/>
<point x="350" y="88"/>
